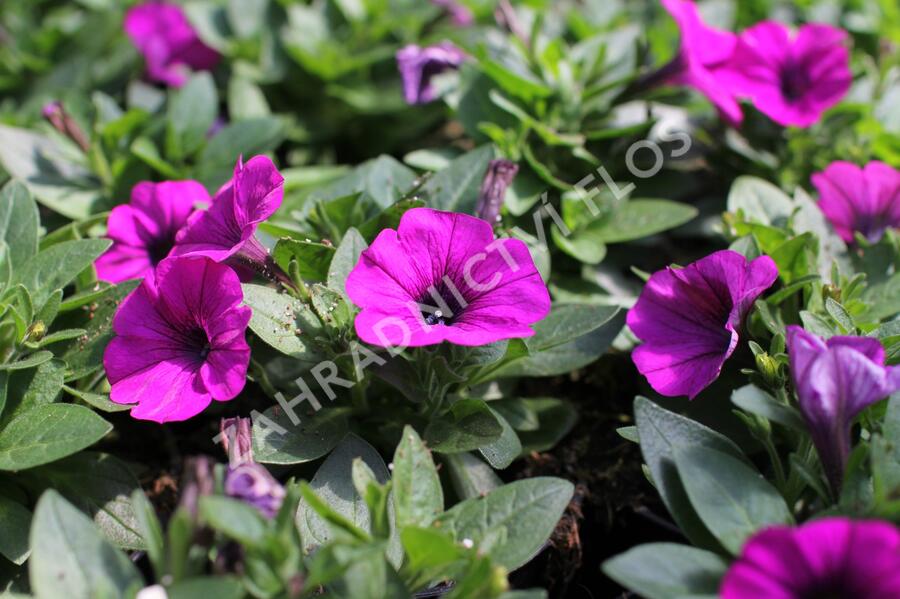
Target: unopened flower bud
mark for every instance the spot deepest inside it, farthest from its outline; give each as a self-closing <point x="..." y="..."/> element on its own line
<point x="63" y="122"/>
<point x="770" y="370"/>
<point x="197" y="481"/>
<point x="237" y="440"/>
<point x="831" y="291"/>
<point x="252" y="484"/>
<point x="499" y="176"/>
<point x="36" y="331"/>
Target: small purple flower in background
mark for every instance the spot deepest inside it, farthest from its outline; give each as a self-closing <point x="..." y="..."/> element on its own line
<point x="835" y="380"/>
<point x="171" y="48"/>
<point x="442" y="276"/>
<point x="688" y="319"/>
<point x="459" y="13"/>
<point x="831" y="557"/>
<point x="418" y="65"/>
<point x="499" y="176"/>
<point x="227" y="229"/>
<point x="792" y="79"/>
<point x="143" y="231"/>
<point x="859" y="199"/>
<point x="704" y="52"/>
<point x="245" y="479"/>
<point x="180" y="341"/>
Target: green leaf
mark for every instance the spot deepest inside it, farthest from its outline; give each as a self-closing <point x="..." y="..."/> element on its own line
<point x="192" y="110"/>
<point x="759" y="201"/>
<point x="281" y="320"/>
<point x="242" y="138"/>
<point x="289" y="443"/>
<point x="33" y="387"/>
<point x="732" y="499"/>
<point x="246" y="100"/>
<point x="756" y="401"/>
<point x="312" y="257"/>
<point x="150" y="529"/>
<point x="345" y="259"/>
<point x="555" y="419"/>
<point x="101" y="486"/>
<point x="501" y="452"/>
<point x="57" y="266"/>
<point x="48" y="433"/>
<point x="661" y="433"/>
<point x="514" y="520"/>
<point x="467" y="425"/>
<point x="382" y="178"/>
<point x="97" y="400"/>
<point x="456" y="187"/>
<point x="71" y="559"/>
<point x="235" y="519"/>
<point x="418" y="497"/>
<point x="635" y="219"/>
<point x="19" y="222"/>
<point x="470" y="476"/>
<point x="202" y="587"/>
<point x="667" y="570"/>
<point x="15" y="521"/>
<point x="35" y="359"/>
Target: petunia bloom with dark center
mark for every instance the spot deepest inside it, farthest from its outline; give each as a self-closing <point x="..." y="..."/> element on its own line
<point x="419" y="65"/>
<point x="143" y="231"/>
<point x="835" y="380"/>
<point x="441" y="276"/>
<point x="864" y="200"/>
<point x="689" y="319"/>
<point x="179" y="341"/>
<point x="831" y="558"/>
<point x="791" y="77"/>
<point x="171" y="47"/>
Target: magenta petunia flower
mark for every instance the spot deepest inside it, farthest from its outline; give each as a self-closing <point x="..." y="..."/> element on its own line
<point x="143" y="232"/>
<point x="171" y="48"/>
<point x="418" y="65"/>
<point x="860" y="199"/>
<point x="792" y="79"/>
<point x="179" y="341"/>
<point x="831" y="557"/>
<point x="442" y="276"/>
<point x="227" y="228"/>
<point x="704" y="52"/>
<point x="835" y="380"/>
<point x="459" y="13"/>
<point x="689" y="318"/>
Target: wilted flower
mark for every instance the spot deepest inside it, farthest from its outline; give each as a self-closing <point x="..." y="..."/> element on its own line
<point x="226" y="231"/>
<point x="442" y="276"/>
<point x="831" y="557"/>
<point x="170" y="45"/>
<point x="418" y="65"/>
<point x="792" y="79"/>
<point x="689" y="319"/>
<point x="859" y="199"/>
<point x="245" y="479"/>
<point x="499" y="176"/>
<point x="179" y="341"/>
<point x="459" y="13"/>
<point x="835" y="380"/>
<point x="704" y="52"/>
<point x="143" y="232"/>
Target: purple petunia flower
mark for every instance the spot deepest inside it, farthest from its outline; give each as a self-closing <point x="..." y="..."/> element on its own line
<point x="171" y="48"/>
<point x="245" y="479"/>
<point x="791" y="79"/>
<point x="689" y="318"/>
<point x="180" y="341"/>
<point x="459" y="13"/>
<point x="831" y="557"/>
<point x="418" y="65"/>
<point x="704" y="52"/>
<point x="860" y="199"/>
<point x="442" y="276"/>
<point x="227" y="228"/>
<point x="499" y="176"/>
<point x="835" y="380"/>
<point x="143" y="232"/>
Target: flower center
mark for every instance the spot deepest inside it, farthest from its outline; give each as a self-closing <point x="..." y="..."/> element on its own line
<point x="442" y="304"/>
<point x="160" y="247"/>
<point x="199" y="341"/>
<point x="794" y="82"/>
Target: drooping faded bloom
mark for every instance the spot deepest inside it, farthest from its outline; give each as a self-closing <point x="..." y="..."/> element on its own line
<point x="458" y="12"/>
<point x="831" y="557"/>
<point x="245" y="479"/>
<point x="441" y="276"/>
<point x="143" y="231"/>
<point x="179" y="341"/>
<point x="171" y="48"/>
<point x="859" y="199"/>
<point x="689" y="319"/>
<point x="703" y="53"/>
<point x="835" y="380"/>
<point x="419" y="65"/>
<point x="499" y="176"/>
<point x="226" y="231"/>
<point x="792" y="79"/>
